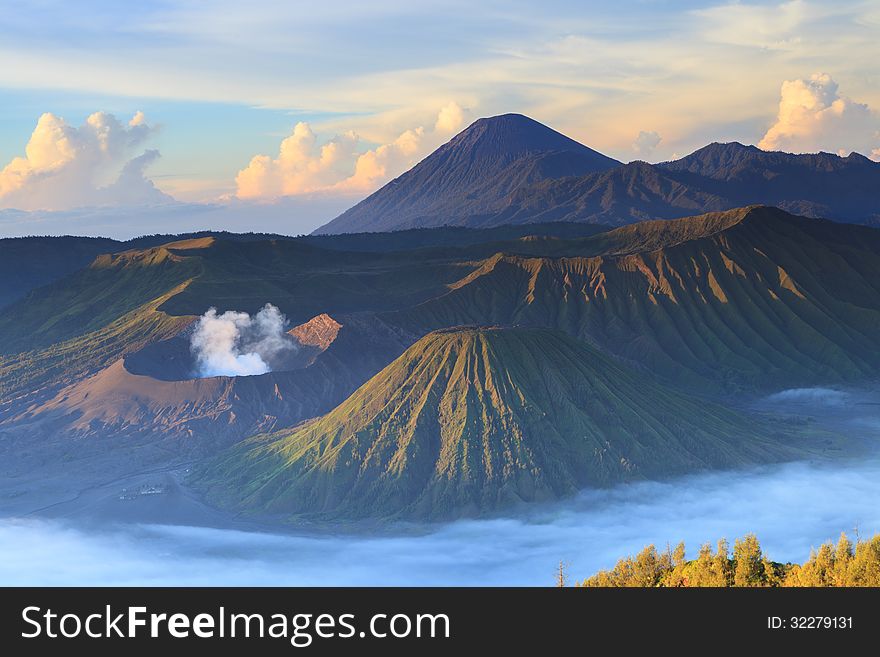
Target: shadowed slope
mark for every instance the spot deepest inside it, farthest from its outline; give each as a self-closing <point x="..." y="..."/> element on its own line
<point x="716" y="177"/>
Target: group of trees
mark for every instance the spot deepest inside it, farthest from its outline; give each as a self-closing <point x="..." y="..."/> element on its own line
<point x="843" y="564"/>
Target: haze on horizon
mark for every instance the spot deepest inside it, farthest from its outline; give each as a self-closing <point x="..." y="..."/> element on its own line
<point x="206" y="115"/>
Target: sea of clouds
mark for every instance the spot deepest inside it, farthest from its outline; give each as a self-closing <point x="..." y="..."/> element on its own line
<point x="791" y="507"/>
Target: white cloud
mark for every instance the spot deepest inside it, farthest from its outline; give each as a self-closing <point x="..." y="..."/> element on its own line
<point x="791" y="508"/>
<point x="774" y="26"/>
<point x="646" y="142"/>
<point x="303" y="166"/>
<point x="132" y="186"/>
<point x="673" y="62"/>
<point x="813" y="116"/>
<point x="450" y="119"/>
<point x="66" y="167"/>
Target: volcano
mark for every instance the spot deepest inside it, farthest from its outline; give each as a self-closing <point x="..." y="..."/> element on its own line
<point x="473" y="419"/>
<point x="470" y="174"/>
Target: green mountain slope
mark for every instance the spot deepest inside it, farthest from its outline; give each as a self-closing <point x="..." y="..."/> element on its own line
<point x="469" y="420"/>
<point x="27" y="263"/>
<point x="743" y="300"/>
<point x="31" y="376"/>
<point x="93" y="298"/>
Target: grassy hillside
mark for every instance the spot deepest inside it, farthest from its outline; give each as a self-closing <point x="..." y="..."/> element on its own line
<point x="744" y="300"/>
<point x="31" y="376"/>
<point x="470" y="420"/>
<point x="28" y="263"/>
<point x="93" y="298"/>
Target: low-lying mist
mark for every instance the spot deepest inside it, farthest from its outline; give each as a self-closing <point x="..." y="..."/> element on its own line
<point x="236" y="344"/>
<point x="817" y="396"/>
<point x="791" y="507"/>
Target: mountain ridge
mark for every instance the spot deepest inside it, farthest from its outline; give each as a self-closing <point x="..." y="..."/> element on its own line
<point x="769" y="300"/>
<point x="520" y="187"/>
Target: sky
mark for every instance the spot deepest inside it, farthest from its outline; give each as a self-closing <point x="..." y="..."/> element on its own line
<point x="127" y="118"/>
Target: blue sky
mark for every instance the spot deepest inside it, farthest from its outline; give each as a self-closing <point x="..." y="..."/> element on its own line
<point x="220" y="82"/>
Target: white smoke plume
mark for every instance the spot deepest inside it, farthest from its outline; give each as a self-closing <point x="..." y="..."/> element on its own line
<point x="236" y="344"/>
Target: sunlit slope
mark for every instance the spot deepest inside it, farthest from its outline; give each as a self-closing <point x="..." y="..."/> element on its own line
<point x="469" y="420"/>
<point x="748" y="299"/>
<point x="31" y="376"/>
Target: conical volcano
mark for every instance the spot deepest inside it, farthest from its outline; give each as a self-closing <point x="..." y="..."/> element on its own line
<point x="470" y="174"/>
<point x="470" y="420"/>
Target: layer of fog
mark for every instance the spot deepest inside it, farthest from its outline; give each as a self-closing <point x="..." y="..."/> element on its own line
<point x="818" y="396"/>
<point x="236" y="344"/>
<point x="791" y="508"/>
<point x="294" y="215"/>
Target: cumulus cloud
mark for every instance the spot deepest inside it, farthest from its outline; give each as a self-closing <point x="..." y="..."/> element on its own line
<point x="646" y="142"/>
<point x="236" y="344"/>
<point x="65" y="166"/>
<point x="813" y="116"/>
<point x="450" y="119"/>
<point x="132" y="186"/>
<point x="304" y="166"/>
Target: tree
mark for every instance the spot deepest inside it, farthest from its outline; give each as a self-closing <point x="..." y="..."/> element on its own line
<point x="722" y="572"/>
<point x="561" y="575"/>
<point x="843" y="556"/>
<point x="748" y="562"/>
<point x="843" y="564"/>
<point x="699" y="572"/>
<point x="678" y="556"/>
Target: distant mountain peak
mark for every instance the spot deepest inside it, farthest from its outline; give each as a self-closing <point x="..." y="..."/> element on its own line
<point x="471" y="174"/>
<point x="515" y="135"/>
<point x="735" y="152"/>
<point x="511" y="169"/>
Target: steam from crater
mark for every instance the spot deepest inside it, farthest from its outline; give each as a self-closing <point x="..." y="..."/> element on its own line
<point x="236" y="344"/>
